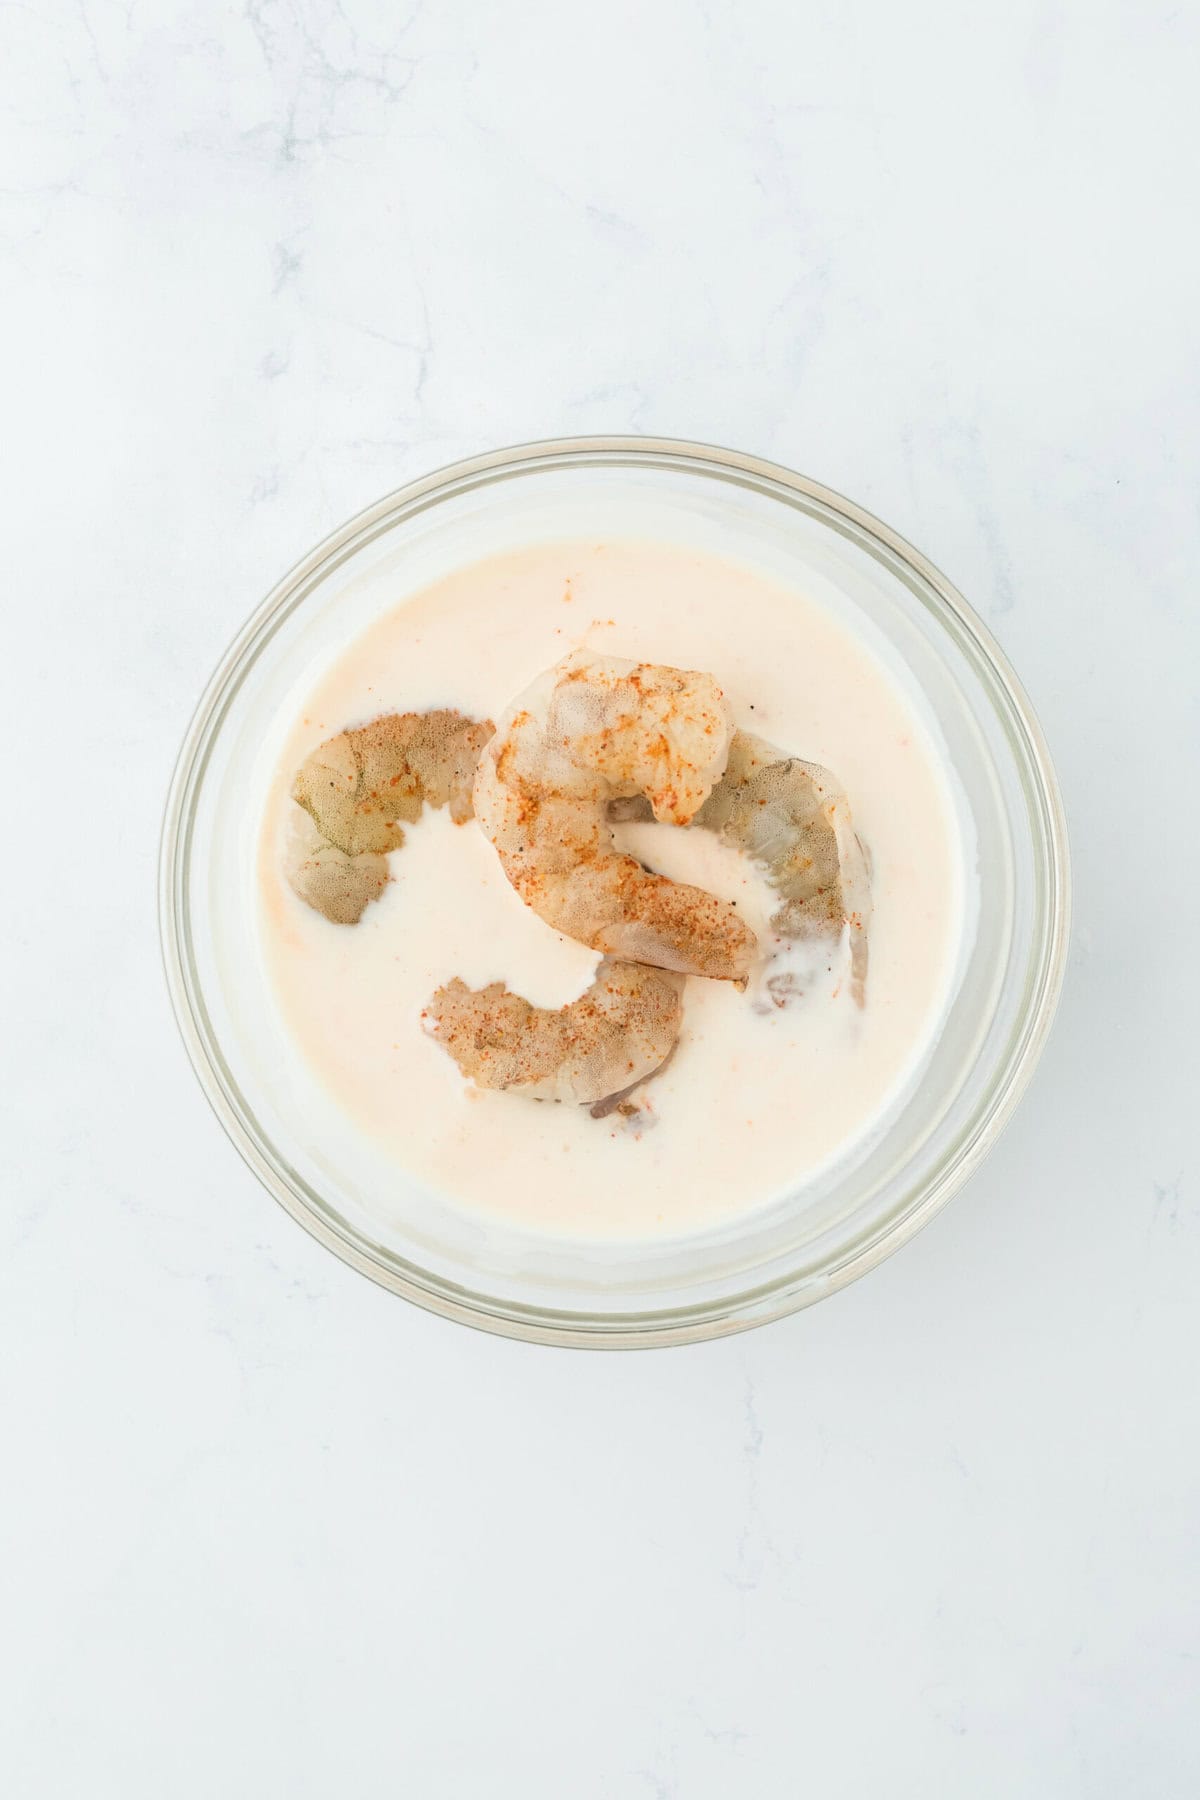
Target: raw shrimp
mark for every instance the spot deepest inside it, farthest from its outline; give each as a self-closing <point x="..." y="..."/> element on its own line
<point x="794" y="820"/>
<point x="616" y="1035"/>
<point x="328" y="880"/>
<point x="358" y="786"/>
<point x="589" y="731"/>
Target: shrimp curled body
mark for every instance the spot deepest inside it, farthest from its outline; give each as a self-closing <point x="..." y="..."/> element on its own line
<point x="358" y="787"/>
<point x="590" y="731"/>
<point x="793" y="820"/>
<point x="613" y="1037"/>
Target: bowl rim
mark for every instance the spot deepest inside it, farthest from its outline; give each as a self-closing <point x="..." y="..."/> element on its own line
<point x="738" y="1312"/>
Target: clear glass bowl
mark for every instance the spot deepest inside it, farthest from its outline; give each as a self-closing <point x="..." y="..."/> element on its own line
<point x="774" y="1259"/>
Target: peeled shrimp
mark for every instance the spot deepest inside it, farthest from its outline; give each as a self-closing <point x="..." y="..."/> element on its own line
<point x="328" y="880"/>
<point x="613" y="1037"/>
<point x="590" y="731"/>
<point x="358" y="786"/>
<point x="794" y="820"/>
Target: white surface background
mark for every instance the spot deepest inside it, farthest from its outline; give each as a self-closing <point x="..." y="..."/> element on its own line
<point x="267" y="1531"/>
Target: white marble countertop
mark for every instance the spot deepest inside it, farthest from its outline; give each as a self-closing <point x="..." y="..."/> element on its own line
<point x="271" y="1532"/>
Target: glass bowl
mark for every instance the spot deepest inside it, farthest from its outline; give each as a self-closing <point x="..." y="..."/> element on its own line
<point x="773" y="1259"/>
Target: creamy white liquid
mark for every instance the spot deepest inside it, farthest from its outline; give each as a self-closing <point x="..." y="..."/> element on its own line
<point x="756" y="1098"/>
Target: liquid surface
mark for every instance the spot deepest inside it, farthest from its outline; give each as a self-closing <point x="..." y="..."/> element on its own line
<point x="756" y="1098"/>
